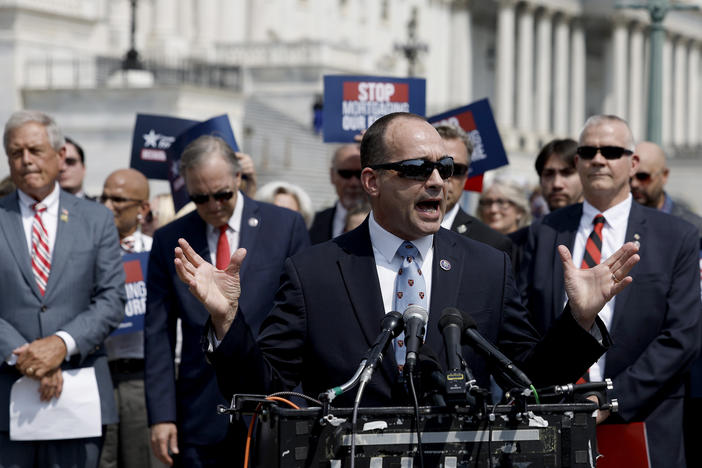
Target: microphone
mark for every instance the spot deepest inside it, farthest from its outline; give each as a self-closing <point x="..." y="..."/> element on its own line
<point x="459" y="378"/>
<point x="415" y="325"/>
<point x="433" y="380"/>
<point x="391" y="326"/>
<point x="487" y="349"/>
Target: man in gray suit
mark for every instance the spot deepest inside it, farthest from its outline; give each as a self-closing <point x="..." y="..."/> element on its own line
<point x="62" y="289"/>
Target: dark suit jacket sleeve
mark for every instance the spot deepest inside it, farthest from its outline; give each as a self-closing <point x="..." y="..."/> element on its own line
<point x="106" y="310"/>
<point x="662" y="364"/>
<point x="273" y="363"/>
<point x="159" y="336"/>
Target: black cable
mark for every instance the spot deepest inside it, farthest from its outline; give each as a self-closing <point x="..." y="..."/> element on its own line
<point x="354" y="417"/>
<point x="416" y="418"/>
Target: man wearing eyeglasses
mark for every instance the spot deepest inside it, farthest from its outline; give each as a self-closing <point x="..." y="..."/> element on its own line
<point x="73" y="170"/>
<point x="648" y="184"/>
<point x="183" y="408"/>
<point x="334" y="295"/>
<point x="345" y="174"/>
<point x="655" y="323"/>
<point x="126" y="194"/>
<point x="459" y="146"/>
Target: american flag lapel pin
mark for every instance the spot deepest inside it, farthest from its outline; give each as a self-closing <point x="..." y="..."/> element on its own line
<point x="64" y="215"/>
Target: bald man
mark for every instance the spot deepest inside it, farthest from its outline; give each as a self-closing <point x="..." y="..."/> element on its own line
<point x="127" y="443"/>
<point x="648" y="184"/>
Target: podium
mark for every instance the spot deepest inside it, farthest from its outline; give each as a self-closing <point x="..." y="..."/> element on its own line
<point x="549" y="435"/>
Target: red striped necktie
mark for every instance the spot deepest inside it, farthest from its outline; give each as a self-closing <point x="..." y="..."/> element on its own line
<point x="593" y="246"/>
<point x="41" y="257"/>
<point x="223" y="254"/>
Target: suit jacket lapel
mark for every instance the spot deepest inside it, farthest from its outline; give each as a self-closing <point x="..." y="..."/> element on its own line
<point x="447" y="271"/>
<point x="250" y="221"/>
<point x="11" y="226"/>
<point x="635" y="226"/>
<point x="197" y="236"/>
<point x="461" y="222"/>
<point x="67" y="231"/>
<point x="564" y="236"/>
<point x="365" y="297"/>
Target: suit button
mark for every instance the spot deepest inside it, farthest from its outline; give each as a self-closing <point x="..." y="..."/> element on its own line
<point x="44" y="308"/>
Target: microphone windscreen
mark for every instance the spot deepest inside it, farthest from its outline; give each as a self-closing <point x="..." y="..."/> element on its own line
<point x="415" y="311"/>
<point x="451" y="316"/>
<point x="468" y="321"/>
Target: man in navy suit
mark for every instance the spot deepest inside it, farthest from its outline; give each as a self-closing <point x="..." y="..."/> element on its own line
<point x="182" y="405"/>
<point x="345" y="175"/>
<point x="49" y="326"/>
<point x="655" y="323"/>
<point x="335" y="294"/>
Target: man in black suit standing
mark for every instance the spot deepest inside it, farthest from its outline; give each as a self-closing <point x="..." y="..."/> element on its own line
<point x="459" y="146"/>
<point x="334" y="295"/>
<point x="345" y="174"/>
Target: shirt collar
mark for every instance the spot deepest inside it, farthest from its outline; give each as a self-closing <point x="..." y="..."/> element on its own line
<point x="51" y="200"/>
<point x="667" y="204"/>
<point x="617" y="216"/>
<point x="387" y="243"/>
<point x="449" y="217"/>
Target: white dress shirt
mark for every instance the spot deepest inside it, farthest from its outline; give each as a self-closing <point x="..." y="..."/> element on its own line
<point x="233" y="231"/>
<point x="613" y="237"/>
<point x="449" y="217"/>
<point x="50" y="220"/>
<point x="387" y="263"/>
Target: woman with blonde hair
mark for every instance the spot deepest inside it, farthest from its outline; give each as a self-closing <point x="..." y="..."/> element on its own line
<point x="289" y="196"/>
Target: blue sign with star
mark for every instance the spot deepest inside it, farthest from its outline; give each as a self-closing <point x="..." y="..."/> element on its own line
<point x="217" y="126"/>
<point x="153" y="136"/>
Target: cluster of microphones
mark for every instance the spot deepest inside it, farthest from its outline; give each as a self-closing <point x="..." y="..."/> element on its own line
<point x="456" y="383"/>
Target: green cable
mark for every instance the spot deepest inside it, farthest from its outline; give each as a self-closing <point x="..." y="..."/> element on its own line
<point x="536" y="395"/>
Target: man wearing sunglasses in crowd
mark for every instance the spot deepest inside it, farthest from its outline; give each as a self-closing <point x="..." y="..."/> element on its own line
<point x="184" y="422"/>
<point x="73" y="170"/>
<point x="334" y="295"/>
<point x="345" y="174"/>
<point x="655" y="323"/>
<point x="460" y="148"/>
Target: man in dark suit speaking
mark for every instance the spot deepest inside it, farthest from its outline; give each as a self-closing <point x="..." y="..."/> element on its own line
<point x="655" y="324"/>
<point x="183" y="410"/>
<point x="334" y="295"/>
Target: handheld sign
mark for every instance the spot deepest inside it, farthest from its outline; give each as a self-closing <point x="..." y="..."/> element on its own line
<point x="477" y="121"/>
<point x="135" y="266"/>
<point x="153" y="135"/>
<point x="353" y="103"/>
<point x="217" y="126"/>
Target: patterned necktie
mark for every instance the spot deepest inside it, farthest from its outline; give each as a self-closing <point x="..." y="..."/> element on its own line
<point x="223" y="254"/>
<point x="593" y="246"/>
<point x="410" y="288"/>
<point x="41" y="257"/>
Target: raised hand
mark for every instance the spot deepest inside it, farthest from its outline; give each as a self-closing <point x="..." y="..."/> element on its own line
<point x="590" y="289"/>
<point x="218" y="290"/>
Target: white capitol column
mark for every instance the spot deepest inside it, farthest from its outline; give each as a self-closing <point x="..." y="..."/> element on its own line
<point x="577" y="81"/>
<point x="561" y="68"/>
<point x="163" y="23"/>
<point x="679" y="104"/>
<point x="636" y="82"/>
<point x="206" y="25"/>
<point x="693" y="99"/>
<point x="667" y="85"/>
<point x="461" y="76"/>
<point x="543" y="71"/>
<point x="505" y="63"/>
<point x="525" y="84"/>
<point x="620" y="67"/>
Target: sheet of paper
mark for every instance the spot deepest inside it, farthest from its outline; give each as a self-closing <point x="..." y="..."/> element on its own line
<point x="75" y="414"/>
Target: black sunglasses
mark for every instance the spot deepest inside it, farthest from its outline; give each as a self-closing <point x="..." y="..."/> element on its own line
<point x="459" y="169"/>
<point x="200" y="198"/>
<point x="419" y="169"/>
<point x="104" y="198"/>
<point x="348" y="173"/>
<point x="609" y="152"/>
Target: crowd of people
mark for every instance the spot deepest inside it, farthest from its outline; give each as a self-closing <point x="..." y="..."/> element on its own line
<point x="594" y="275"/>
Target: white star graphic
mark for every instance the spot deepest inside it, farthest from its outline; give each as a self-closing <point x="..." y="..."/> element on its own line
<point x="151" y="139"/>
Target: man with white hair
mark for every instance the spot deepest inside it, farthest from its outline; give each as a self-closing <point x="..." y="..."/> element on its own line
<point x="655" y="323"/>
